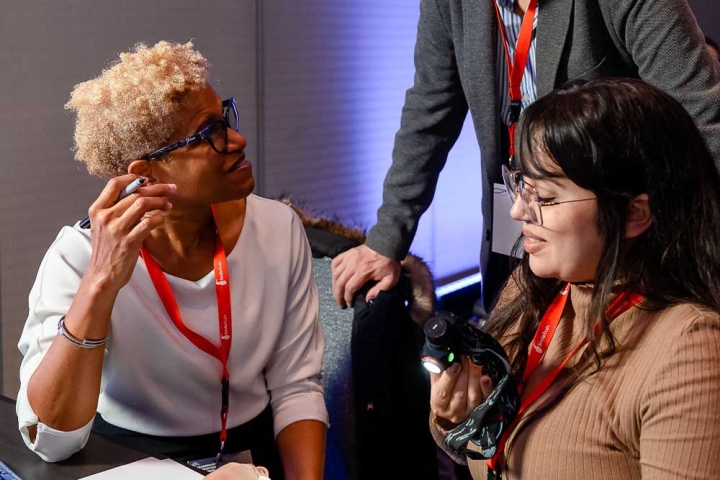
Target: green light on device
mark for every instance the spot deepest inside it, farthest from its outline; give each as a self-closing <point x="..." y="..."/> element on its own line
<point x="451" y="357"/>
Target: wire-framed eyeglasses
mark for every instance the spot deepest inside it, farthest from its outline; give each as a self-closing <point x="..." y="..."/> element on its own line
<point x="516" y="187"/>
<point x="215" y="133"/>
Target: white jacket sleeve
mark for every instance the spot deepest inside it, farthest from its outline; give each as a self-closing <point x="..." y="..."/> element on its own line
<point x="52" y="294"/>
<point x="293" y="372"/>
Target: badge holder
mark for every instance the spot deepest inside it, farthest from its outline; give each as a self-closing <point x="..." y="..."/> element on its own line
<point x="210" y="464"/>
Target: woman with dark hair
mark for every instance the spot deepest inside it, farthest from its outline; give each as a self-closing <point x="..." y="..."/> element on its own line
<point x="611" y="320"/>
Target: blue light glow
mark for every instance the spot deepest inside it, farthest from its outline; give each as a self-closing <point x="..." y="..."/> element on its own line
<point x="458" y="285"/>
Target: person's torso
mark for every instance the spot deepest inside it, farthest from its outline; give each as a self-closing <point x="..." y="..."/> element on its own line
<point x="592" y="430"/>
<point x="156" y="381"/>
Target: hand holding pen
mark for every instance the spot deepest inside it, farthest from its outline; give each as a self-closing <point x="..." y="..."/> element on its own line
<point x="131" y="188"/>
<point x="122" y="217"/>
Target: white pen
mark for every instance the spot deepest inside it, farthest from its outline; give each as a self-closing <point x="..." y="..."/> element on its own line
<point x="130" y="188"/>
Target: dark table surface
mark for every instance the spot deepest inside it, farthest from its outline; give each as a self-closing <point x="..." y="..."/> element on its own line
<point x="98" y="455"/>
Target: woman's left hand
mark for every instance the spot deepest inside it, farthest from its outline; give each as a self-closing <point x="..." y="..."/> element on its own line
<point x="238" y="471"/>
<point x="457" y="391"/>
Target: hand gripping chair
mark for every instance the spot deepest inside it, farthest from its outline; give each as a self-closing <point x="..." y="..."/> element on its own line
<point x="377" y="393"/>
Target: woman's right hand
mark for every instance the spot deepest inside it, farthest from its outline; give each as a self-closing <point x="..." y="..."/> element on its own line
<point x="457" y="391"/>
<point x="119" y="230"/>
<point x="238" y="471"/>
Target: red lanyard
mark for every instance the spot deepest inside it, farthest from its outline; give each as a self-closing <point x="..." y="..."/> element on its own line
<point x="540" y="344"/>
<point x="516" y="68"/>
<point x="222" y="288"/>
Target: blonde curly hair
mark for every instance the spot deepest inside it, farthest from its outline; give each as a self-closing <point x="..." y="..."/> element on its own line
<point x="128" y="110"/>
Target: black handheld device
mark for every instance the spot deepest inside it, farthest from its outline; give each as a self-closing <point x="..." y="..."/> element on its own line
<point x="447" y="338"/>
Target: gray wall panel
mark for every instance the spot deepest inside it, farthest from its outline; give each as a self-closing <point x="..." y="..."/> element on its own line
<point x="335" y="76"/>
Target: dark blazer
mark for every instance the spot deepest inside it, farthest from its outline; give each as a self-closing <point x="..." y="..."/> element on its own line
<point x="455" y="61"/>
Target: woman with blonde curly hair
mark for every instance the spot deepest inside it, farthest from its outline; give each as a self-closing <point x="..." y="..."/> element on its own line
<point x="187" y="312"/>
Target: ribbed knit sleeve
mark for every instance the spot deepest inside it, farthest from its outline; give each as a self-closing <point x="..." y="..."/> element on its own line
<point x="439" y="435"/>
<point x="680" y="412"/>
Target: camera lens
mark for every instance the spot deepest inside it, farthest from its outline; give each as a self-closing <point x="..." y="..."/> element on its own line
<point x="437" y="352"/>
<point x="437" y="331"/>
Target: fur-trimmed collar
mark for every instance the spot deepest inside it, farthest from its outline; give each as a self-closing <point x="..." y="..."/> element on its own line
<point x="423" y="302"/>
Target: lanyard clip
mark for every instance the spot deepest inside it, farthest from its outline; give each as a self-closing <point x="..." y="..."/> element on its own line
<point x="515" y="110"/>
<point x="219" y="457"/>
<point x="225" y="395"/>
<point x="494" y="474"/>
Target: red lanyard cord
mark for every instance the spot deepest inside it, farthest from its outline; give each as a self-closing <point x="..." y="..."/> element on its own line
<point x="516" y="68"/>
<point x="222" y="289"/>
<point x="540" y="344"/>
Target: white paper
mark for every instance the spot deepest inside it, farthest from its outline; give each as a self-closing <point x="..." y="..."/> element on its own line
<point x="505" y="230"/>
<point x="148" y="469"/>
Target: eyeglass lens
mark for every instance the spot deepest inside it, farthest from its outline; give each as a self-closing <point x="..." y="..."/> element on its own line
<point x="218" y="130"/>
<point x="230" y="114"/>
<point x="510" y="178"/>
<point x="514" y="184"/>
<point x="530" y="202"/>
<point x="218" y="136"/>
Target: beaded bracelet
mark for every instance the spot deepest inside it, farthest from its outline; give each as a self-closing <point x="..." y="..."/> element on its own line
<point x="63" y="332"/>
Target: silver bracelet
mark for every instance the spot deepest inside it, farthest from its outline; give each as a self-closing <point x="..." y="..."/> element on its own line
<point x="64" y="333"/>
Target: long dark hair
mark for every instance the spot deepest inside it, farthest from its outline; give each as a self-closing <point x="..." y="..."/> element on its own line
<point x="620" y="138"/>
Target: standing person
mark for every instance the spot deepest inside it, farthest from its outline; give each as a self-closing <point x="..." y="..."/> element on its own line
<point x="461" y="63"/>
<point x="186" y="316"/>
<point x="612" y="320"/>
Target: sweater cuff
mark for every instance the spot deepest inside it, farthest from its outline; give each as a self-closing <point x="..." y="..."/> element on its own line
<point x="439" y="434"/>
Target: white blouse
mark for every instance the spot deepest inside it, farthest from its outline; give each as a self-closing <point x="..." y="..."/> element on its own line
<point x="157" y="382"/>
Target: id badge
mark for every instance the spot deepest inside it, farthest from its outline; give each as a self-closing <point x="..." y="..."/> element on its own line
<point x="505" y="230"/>
<point x="6" y="473"/>
<point x="208" y="465"/>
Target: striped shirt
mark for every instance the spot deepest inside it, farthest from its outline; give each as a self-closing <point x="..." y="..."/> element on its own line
<point x="512" y="23"/>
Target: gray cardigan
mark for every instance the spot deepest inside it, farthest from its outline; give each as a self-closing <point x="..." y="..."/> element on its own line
<point x="455" y="54"/>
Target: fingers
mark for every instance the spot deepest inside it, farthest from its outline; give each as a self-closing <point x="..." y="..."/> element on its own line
<point x="234" y="471"/>
<point x="347" y="285"/>
<point x="479" y="385"/>
<point x="128" y="213"/>
<point x="486" y="385"/>
<point x="354" y="268"/>
<point x="110" y="193"/>
<point x="147" y="224"/>
<point x="336" y="267"/>
<point x="441" y="389"/>
<point x="153" y="197"/>
<point x="354" y="284"/>
<point x="340" y="276"/>
<point x="456" y="392"/>
<point x="156" y="190"/>
<point x="348" y="277"/>
<point x="385" y="284"/>
<point x="141" y="207"/>
<point x="458" y="407"/>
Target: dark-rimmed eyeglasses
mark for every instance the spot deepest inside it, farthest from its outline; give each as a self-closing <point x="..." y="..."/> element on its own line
<point x="216" y="134"/>
<point x="516" y="187"/>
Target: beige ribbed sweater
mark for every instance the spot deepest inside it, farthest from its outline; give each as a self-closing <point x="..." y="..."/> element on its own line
<point x="651" y="412"/>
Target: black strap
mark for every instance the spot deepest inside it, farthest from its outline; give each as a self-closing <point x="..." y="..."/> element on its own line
<point x="502" y="404"/>
<point x="485" y="436"/>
